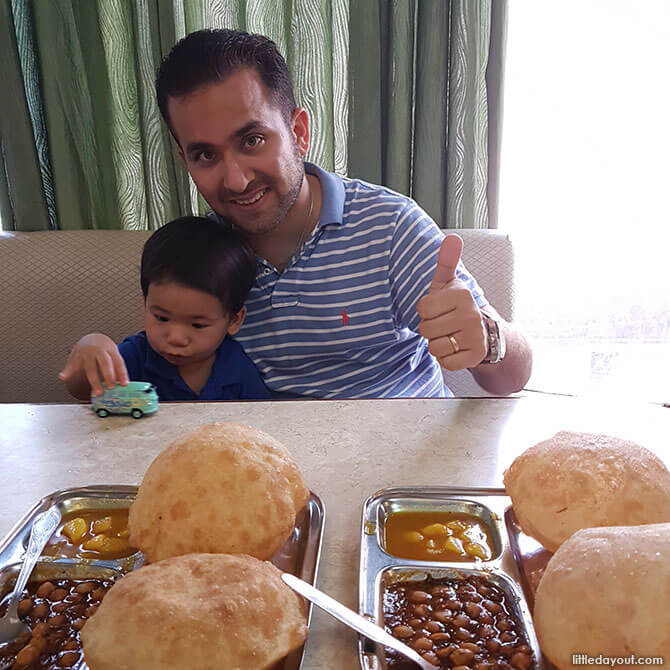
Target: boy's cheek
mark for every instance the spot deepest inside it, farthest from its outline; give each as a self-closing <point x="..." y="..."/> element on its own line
<point x="152" y="336"/>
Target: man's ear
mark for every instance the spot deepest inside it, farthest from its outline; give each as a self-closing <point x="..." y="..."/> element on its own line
<point x="300" y="129"/>
<point x="236" y="321"/>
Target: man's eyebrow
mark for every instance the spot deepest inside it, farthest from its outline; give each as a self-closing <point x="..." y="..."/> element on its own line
<point x="198" y="146"/>
<point x="240" y="132"/>
<point x="247" y="128"/>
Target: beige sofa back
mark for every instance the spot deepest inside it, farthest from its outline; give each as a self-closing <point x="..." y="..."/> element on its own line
<point x="58" y="285"/>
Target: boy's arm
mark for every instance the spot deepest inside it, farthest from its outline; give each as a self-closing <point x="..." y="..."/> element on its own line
<point x="93" y="360"/>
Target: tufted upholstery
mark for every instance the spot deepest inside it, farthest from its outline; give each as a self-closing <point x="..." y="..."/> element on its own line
<point x="57" y="286"/>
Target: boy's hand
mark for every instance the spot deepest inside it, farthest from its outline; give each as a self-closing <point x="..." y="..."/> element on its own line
<point x="94" y="359"/>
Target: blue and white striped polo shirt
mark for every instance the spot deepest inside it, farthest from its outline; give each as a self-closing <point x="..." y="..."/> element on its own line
<point x="341" y="320"/>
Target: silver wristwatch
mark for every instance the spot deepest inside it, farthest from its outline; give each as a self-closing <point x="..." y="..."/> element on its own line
<point x="495" y="339"/>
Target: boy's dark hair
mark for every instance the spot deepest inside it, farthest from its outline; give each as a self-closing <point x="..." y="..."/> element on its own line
<point x="204" y="254"/>
<point x="210" y="56"/>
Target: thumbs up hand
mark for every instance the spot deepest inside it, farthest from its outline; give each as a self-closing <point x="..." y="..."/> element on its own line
<point x="450" y="318"/>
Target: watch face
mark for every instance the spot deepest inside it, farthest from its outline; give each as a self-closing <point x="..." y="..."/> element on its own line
<point x="502" y="348"/>
<point x="496" y="340"/>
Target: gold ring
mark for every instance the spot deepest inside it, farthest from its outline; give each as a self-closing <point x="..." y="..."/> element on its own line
<point x="454" y="344"/>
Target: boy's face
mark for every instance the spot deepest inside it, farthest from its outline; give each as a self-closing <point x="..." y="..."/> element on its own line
<point x="244" y="157"/>
<point x="185" y="325"/>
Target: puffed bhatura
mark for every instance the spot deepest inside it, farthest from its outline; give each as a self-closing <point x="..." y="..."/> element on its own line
<point x="606" y="591"/>
<point x="223" y="488"/>
<point x="579" y="480"/>
<point x="201" y="612"/>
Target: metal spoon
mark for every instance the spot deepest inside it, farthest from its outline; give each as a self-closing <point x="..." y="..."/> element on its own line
<point x="354" y="620"/>
<point x="43" y="527"/>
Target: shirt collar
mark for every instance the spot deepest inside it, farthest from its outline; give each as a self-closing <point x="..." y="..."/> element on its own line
<point x="332" y="195"/>
<point x="221" y="368"/>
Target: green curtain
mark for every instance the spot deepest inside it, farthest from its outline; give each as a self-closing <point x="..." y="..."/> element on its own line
<point x="395" y="90"/>
<point x="418" y="119"/>
<point x="84" y="71"/>
<point x="22" y="191"/>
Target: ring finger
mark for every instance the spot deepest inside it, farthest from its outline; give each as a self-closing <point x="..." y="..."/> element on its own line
<point x="447" y="345"/>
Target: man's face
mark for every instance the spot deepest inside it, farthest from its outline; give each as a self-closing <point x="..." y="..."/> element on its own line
<point x="244" y="157"/>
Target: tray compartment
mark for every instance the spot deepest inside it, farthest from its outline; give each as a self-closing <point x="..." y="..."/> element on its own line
<point x="510" y="606"/>
<point x="73" y="571"/>
<point x="14" y="545"/>
<point x="461" y="506"/>
<point x="90" y="508"/>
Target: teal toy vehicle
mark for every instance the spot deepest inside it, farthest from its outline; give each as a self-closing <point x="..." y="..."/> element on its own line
<point x="136" y="399"/>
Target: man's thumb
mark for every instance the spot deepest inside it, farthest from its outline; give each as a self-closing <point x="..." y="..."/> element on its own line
<point x="447" y="260"/>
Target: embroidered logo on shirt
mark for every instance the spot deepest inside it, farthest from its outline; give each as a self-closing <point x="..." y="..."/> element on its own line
<point x="345" y="318"/>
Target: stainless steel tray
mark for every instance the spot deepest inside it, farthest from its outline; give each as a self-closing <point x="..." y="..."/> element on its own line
<point x="299" y="555"/>
<point x="376" y="565"/>
<point x="530" y="556"/>
<point x="63" y="568"/>
<point x="15" y="543"/>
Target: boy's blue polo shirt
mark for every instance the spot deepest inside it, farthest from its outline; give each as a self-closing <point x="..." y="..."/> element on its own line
<point x="233" y="377"/>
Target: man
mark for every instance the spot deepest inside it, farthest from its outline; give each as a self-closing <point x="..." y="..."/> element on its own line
<point x="358" y="293"/>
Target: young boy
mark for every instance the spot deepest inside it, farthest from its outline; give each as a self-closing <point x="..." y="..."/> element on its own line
<point x="196" y="274"/>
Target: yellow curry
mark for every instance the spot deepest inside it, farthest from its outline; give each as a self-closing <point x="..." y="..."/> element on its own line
<point x="92" y="533"/>
<point x="437" y="536"/>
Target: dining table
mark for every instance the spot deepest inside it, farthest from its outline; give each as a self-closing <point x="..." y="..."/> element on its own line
<point x="346" y="450"/>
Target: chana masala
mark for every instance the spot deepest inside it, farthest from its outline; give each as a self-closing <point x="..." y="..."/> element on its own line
<point x="55" y="611"/>
<point x="466" y="623"/>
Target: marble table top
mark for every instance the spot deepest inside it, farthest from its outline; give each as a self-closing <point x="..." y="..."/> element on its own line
<point x="346" y="450"/>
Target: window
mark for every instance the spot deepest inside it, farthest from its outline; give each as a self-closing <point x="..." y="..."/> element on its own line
<point x="584" y="183"/>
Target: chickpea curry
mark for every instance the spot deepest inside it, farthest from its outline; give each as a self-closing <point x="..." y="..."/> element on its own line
<point x="456" y="623"/>
<point x="55" y="612"/>
<point x="441" y="536"/>
<point x="92" y="533"/>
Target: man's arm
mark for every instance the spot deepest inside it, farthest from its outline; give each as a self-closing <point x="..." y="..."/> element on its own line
<point x="452" y="323"/>
<point x="513" y="372"/>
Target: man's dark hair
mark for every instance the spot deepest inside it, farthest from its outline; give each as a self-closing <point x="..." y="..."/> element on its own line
<point x="210" y="56"/>
<point x="203" y="254"/>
